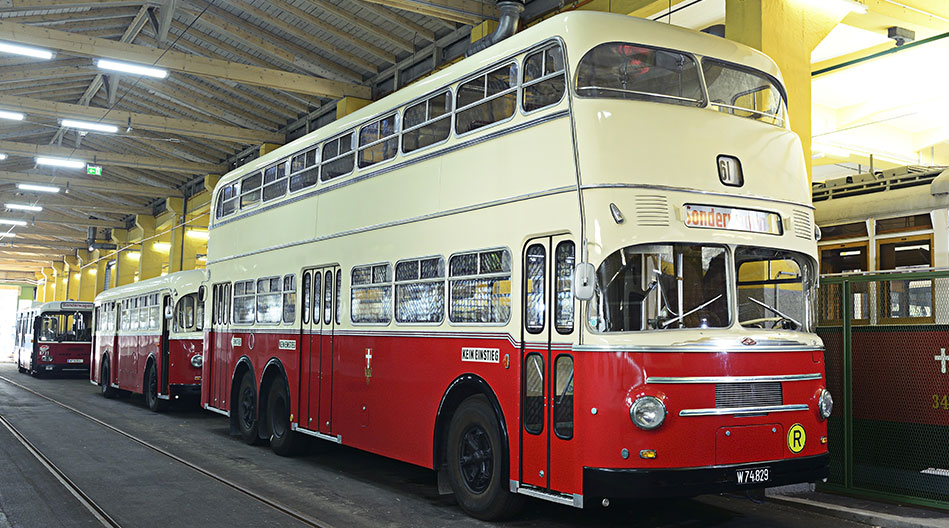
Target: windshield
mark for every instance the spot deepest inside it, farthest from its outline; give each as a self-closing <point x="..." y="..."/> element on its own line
<point x="744" y="93"/>
<point x="662" y="286"/>
<point x="59" y="327"/>
<point x="775" y="289"/>
<point x="632" y="71"/>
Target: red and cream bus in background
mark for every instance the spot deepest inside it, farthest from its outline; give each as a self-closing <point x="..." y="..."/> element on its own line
<point x="148" y="338"/>
<point x="53" y="337"/>
<point x="579" y="265"/>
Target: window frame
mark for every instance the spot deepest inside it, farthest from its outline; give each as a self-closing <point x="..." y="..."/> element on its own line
<point x="542" y="48"/>
<point x="285" y="163"/>
<point x="396" y="282"/>
<point x="397" y="134"/>
<point x="259" y="189"/>
<point x="448" y="279"/>
<point x="450" y="115"/>
<point x="484" y="72"/>
<point x="316" y="166"/>
<point x="390" y="284"/>
<point x="258" y="294"/>
<point x="785" y="121"/>
<point x="221" y="200"/>
<point x="233" y="296"/>
<point x="353" y="150"/>
<point x="882" y="289"/>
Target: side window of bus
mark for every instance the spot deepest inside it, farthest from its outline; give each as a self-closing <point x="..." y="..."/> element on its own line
<point x="305" y="290"/>
<point x="371" y="294"/>
<point x="154" y="312"/>
<point x="227" y="200"/>
<point x="563" y="396"/>
<point x="269" y="300"/>
<point x="289" y="298"/>
<point x="275" y="181"/>
<point x="317" y="297"/>
<point x="250" y="191"/>
<point x="535" y="282"/>
<point x="304" y="169"/>
<point x="479" y="287"/>
<point x="328" y="298"/>
<point x="339" y="306"/>
<point x="489" y="98"/>
<point x="563" y="287"/>
<point x="420" y="290"/>
<point x="534" y="393"/>
<point x="426" y="123"/>
<point x="244" y="302"/>
<point x="378" y="141"/>
<point x="338" y="157"/>
<point x="545" y="80"/>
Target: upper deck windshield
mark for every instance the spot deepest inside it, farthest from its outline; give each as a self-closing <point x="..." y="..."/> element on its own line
<point x="621" y="70"/>
<point x="64" y="327"/>
<point x="675" y="286"/>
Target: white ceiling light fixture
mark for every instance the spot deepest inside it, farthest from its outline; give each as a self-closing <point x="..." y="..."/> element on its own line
<point x="16" y="49"/>
<point x="6" y="221"/>
<point x="14" y="116"/>
<point x="59" y="162"/>
<point x="23" y="207"/>
<point x="37" y="188"/>
<point x="127" y="67"/>
<point x="8" y="234"/>
<point x="86" y="125"/>
<point x="2" y="156"/>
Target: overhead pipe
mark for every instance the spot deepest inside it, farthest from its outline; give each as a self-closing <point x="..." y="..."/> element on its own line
<point x="508" y="22"/>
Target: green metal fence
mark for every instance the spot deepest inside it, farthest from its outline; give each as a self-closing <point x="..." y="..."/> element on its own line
<point x="886" y="337"/>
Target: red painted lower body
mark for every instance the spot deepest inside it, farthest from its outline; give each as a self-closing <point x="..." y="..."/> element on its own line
<point x="54" y="357"/>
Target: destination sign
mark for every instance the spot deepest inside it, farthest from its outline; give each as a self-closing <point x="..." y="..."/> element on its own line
<point x="732" y="219"/>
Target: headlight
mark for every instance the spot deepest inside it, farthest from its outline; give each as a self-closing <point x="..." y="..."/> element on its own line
<point x="647" y="412"/>
<point x="825" y="404"/>
<point x="197" y="360"/>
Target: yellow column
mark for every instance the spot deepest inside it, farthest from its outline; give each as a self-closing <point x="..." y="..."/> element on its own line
<point x="91" y="282"/>
<point x="787" y="31"/>
<point x="72" y="278"/>
<point x="266" y="148"/>
<point x="348" y="105"/>
<point x="59" y="281"/>
<point x="154" y="254"/>
<point x="50" y="287"/>
<point x="40" y="285"/>
<point x="126" y="261"/>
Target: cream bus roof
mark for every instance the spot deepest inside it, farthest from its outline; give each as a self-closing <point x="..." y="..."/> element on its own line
<point x="581" y="30"/>
<point x="59" y="306"/>
<point x="182" y="281"/>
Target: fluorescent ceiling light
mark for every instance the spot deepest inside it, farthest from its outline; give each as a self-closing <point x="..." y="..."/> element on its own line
<point x="23" y="207"/>
<point x="202" y="235"/>
<point x="161" y="246"/>
<point x="12" y="222"/>
<point x="15" y="116"/>
<point x="37" y="188"/>
<point x="850" y="253"/>
<point x="85" y="125"/>
<point x="17" y="49"/>
<point x="910" y="248"/>
<point x="3" y="156"/>
<point x="8" y="234"/>
<point x="128" y="67"/>
<point x="59" y="162"/>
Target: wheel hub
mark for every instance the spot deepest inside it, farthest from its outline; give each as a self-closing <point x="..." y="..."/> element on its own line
<point x="476" y="459"/>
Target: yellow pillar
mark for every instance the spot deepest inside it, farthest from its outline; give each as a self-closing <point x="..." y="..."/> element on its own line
<point x="59" y="281"/>
<point x="72" y="278"/>
<point x="154" y="254"/>
<point x="91" y="282"/>
<point x="266" y="148"/>
<point x="50" y="287"/>
<point x="787" y="31"/>
<point x="483" y="30"/>
<point x="40" y="285"/>
<point x="348" y="105"/>
<point x="126" y="261"/>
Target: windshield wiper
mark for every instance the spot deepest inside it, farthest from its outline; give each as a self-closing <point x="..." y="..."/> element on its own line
<point x="690" y="312"/>
<point x="775" y="310"/>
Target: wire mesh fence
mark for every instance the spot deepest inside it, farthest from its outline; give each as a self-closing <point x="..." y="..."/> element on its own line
<point x="886" y="339"/>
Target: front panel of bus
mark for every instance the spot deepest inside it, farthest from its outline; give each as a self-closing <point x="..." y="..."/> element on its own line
<point x="62" y="341"/>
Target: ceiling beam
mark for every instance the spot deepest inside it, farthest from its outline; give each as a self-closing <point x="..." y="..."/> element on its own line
<point x="462" y="11"/>
<point x="38" y="242"/>
<point x="36" y="74"/>
<point x="135" y="120"/>
<point x="92" y="14"/>
<point x="110" y="158"/>
<point x="105" y="187"/>
<point x="178" y="61"/>
<point x="46" y="217"/>
<point x="29" y="5"/>
<point x="80" y="204"/>
<point x="194" y="99"/>
<point x="392" y="16"/>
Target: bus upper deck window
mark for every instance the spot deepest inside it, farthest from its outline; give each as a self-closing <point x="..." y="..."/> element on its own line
<point x="620" y="70"/>
<point x="544" y="79"/>
<point x="736" y="90"/>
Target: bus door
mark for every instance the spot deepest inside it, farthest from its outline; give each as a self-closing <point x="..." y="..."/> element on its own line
<point x="317" y="356"/>
<point x="546" y="367"/>
<point x="216" y="375"/>
<point x="166" y="322"/>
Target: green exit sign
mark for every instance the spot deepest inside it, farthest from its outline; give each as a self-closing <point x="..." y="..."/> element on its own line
<point x="93" y="170"/>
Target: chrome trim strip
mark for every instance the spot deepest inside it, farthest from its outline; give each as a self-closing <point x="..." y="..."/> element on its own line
<point x="744" y="410"/>
<point x="338" y="439"/>
<point x="693" y="191"/>
<point x="734" y="379"/>
<point x="219" y="411"/>
<point x="560" y="498"/>
<point x="694" y="348"/>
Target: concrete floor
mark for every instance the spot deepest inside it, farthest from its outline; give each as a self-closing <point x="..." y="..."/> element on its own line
<point x="339" y="486"/>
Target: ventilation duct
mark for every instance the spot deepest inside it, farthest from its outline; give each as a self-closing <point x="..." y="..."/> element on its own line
<point x="508" y="21"/>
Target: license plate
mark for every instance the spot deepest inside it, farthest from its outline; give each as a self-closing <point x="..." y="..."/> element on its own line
<point x="74" y="361"/>
<point x="753" y="475"/>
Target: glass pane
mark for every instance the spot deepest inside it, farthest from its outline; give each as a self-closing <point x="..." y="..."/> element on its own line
<point x="486" y="113"/>
<point x="269" y="308"/>
<point x="371" y="305"/>
<point x="439" y="105"/>
<point x="378" y="152"/>
<point x="470" y="92"/>
<point x="407" y="270"/>
<point x="544" y="93"/>
<point x="502" y="79"/>
<point x="305" y="312"/>
<point x="563" y="287"/>
<point x="466" y="264"/>
<point x="631" y="71"/>
<point x="534" y="66"/>
<point x="743" y="93"/>
<point x="328" y="298"/>
<point x="904" y="223"/>
<point x="339" y="306"/>
<point x="304" y="179"/>
<point x="481" y="300"/>
<point x="563" y="396"/>
<point x="856" y="229"/>
<point x="275" y="190"/>
<point x="906" y="298"/>
<point x="317" y="291"/>
<point x="420" y="302"/>
<point x="424" y="136"/>
<point x="338" y="167"/>
<point x="773" y="288"/>
<point x="534" y="393"/>
<point x="535" y="307"/>
<point x="415" y="115"/>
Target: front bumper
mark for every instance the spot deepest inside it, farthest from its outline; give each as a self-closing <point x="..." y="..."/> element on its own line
<point x="638" y="483"/>
<point x="185" y="391"/>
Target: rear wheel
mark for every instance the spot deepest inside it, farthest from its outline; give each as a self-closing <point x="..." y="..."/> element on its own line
<point x="247" y="410"/>
<point x="105" y="382"/>
<point x="477" y="462"/>
<point x="154" y="403"/>
<point x="283" y="440"/>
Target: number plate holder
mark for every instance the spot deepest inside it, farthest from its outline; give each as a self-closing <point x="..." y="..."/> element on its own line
<point x="756" y="475"/>
<point x="74" y="360"/>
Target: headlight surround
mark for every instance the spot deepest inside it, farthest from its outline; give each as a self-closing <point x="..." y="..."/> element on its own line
<point x="197" y="360"/>
<point x="825" y="404"/>
<point x="647" y="412"/>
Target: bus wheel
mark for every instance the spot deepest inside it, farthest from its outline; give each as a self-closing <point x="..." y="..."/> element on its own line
<point x="20" y="369"/>
<point x="283" y="440"/>
<point x="105" y="382"/>
<point x="477" y="463"/>
<point x="247" y="410"/>
<point x="154" y="403"/>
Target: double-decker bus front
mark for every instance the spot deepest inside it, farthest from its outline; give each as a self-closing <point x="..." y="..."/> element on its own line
<point x="59" y="339"/>
<point x="698" y="369"/>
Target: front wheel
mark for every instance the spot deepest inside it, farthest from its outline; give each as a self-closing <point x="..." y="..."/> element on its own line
<point x="283" y="440"/>
<point x="477" y="462"/>
<point x="247" y="410"/>
<point x="105" y="382"/>
<point x="154" y="403"/>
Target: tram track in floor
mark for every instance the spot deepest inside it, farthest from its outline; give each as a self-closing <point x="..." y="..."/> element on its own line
<point x="96" y="510"/>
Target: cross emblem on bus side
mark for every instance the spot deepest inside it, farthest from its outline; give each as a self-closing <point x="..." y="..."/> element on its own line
<point x="942" y="357"/>
<point x="368" y="365"/>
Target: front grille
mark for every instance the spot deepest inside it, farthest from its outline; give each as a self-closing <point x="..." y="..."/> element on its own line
<point x="652" y="210"/>
<point x="730" y="395"/>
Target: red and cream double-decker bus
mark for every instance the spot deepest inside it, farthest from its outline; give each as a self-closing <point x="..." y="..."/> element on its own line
<point x="148" y="338"/>
<point x="578" y="265"/>
<point x="53" y="337"/>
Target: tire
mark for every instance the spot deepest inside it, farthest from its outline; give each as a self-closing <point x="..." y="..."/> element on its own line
<point x="20" y="369"/>
<point x="105" y="383"/>
<point x="478" y="463"/>
<point x="246" y="410"/>
<point x="283" y="440"/>
<point x="155" y="404"/>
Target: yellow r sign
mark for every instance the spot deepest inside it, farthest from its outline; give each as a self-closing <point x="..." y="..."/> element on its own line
<point x="796" y="438"/>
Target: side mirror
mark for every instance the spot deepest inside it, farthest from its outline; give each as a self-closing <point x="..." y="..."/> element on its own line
<point x="202" y="293"/>
<point x="584" y="279"/>
<point x="169" y="312"/>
